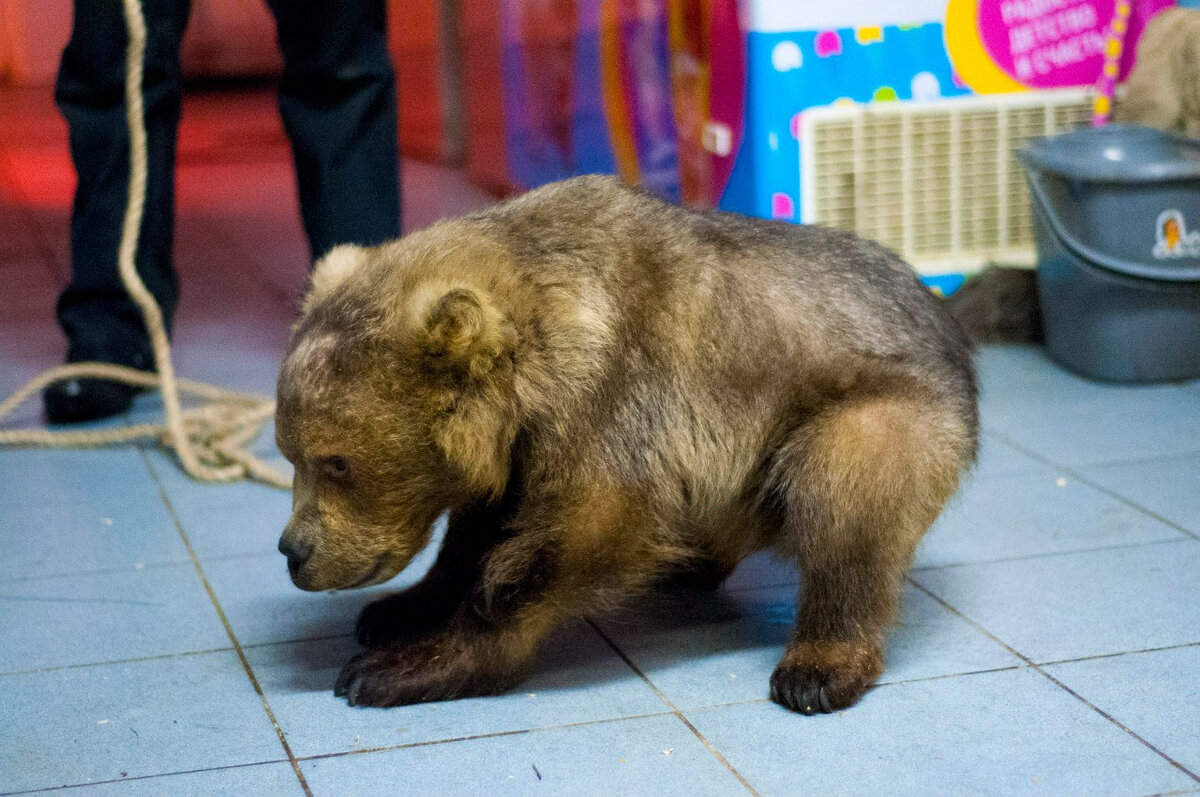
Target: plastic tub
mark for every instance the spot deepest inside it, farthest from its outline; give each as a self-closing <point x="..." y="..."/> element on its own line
<point x="1116" y="218"/>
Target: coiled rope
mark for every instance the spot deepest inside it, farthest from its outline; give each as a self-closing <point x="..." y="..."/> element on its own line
<point x="211" y="441"/>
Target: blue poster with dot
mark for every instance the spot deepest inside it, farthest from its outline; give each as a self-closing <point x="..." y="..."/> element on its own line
<point x="791" y="71"/>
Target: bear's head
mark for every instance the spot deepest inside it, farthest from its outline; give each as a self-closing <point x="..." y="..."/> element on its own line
<point x="395" y="402"/>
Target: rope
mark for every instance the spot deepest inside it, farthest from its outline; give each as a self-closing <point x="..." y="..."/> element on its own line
<point x="211" y="440"/>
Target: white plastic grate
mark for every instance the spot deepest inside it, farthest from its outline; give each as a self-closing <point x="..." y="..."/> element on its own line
<point x="937" y="181"/>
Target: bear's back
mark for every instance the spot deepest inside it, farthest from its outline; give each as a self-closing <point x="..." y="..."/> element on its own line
<point x="724" y="287"/>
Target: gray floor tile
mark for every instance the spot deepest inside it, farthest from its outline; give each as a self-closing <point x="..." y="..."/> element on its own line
<point x="90" y="618"/>
<point x="1029" y="401"/>
<point x="653" y="755"/>
<point x="264" y="606"/>
<point x="98" y="481"/>
<point x="253" y="780"/>
<point x="1004" y="733"/>
<point x="89" y="724"/>
<point x="997" y="458"/>
<point x="1081" y="604"/>
<point x="1033" y="513"/>
<point x="760" y="570"/>
<point x="63" y="539"/>
<point x="237" y="519"/>
<point x="578" y="679"/>
<point x="1169" y="487"/>
<point x="1155" y="694"/>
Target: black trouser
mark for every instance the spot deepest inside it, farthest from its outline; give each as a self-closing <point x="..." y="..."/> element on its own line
<point x="338" y="102"/>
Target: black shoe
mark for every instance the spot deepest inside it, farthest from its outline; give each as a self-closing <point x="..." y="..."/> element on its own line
<point x="81" y="399"/>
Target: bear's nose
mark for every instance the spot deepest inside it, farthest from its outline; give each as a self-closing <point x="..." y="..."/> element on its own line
<point x="296" y="550"/>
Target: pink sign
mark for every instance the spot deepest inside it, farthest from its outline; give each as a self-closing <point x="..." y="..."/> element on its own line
<point x="1052" y="43"/>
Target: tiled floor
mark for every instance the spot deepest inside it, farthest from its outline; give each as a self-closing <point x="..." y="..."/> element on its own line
<point x="151" y="643"/>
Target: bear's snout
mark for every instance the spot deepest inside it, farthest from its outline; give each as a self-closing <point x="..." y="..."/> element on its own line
<point x="296" y="549"/>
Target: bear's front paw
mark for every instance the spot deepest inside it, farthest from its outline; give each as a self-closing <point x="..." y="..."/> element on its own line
<point x="397" y="618"/>
<point x="820" y="677"/>
<point x="420" y="673"/>
<point x="380" y="678"/>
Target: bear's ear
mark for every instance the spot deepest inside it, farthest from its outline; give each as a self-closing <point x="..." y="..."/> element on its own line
<point x="466" y="333"/>
<point x="331" y="271"/>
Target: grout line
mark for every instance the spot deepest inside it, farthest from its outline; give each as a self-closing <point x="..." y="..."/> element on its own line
<point x="114" y="662"/>
<point x="1118" y="655"/>
<point x="300" y="641"/>
<point x="1042" y="459"/>
<point x="165" y="563"/>
<point x="179" y="655"/>
<point x="241" y="653"/>
<point x="142" y="777"/>
<point x="703" y="740"/>
<point x="750" y="701"/>
<point x="1071" y="471"/>
<point x="101" y="571"/>
<point x="492" y="735"/>
<point x="1038" y="668"/>
<point x="1052" y="554"/>
<point x="927" y="678"/>
<point x="219" y="557"/>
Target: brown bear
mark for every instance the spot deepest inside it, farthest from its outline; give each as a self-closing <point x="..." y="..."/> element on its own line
<point x="605" y="392"/>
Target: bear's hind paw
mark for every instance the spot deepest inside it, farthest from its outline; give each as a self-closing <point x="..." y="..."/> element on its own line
<point x="822" y="677"/>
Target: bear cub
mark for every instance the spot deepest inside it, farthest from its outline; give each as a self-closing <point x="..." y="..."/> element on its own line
<point x="607" y="392"/>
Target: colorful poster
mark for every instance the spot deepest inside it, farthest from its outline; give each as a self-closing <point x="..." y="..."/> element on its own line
<point x="792" y="71"/>
<point x="1014" y="45"/>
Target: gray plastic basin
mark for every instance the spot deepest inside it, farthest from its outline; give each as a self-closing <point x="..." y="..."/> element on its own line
<point x="1117" y="225"/>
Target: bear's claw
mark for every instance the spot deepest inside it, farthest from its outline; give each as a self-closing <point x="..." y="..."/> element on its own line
<point x="807" y="690"/>
<point x="380" y="678"/>
<point x="822" y="676"/>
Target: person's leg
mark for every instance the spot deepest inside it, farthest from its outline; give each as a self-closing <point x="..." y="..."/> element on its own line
<point x="338" y="102"/>
<point x="101" y="322"/>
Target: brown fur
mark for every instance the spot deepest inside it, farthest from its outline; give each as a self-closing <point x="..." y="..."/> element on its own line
<point x="999" y="305"/>
<point x="607" y="391"/>
<point x="1163" y="90"/>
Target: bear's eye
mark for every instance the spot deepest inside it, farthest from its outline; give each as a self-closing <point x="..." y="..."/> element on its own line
<point x="336" y="468"/>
